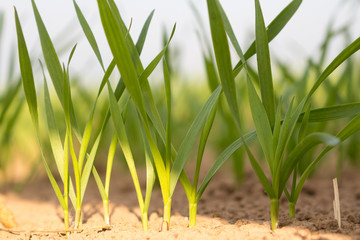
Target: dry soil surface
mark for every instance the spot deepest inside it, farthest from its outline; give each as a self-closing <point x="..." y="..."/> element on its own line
<point x="224" y="212"/>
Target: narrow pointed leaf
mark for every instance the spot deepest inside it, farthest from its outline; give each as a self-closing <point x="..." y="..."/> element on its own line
<point x="203" y="139"/>
<point x="121" y="54"/>
<point x="88" y="33"/>
<point x="264" y="65"/>
<point x="287" y="131"/>
<point x="222" y="56"/>
<point x="51" y="58"/>
<point x="260" y="174"/>
<point x="55" y="141"/>
<point x="150" y="178"/>
<point x="30" y="93"/>
<point x="221" y="159"/>
<point x="53" y="64"/>
<point x="333" y="112"/>
<point x="230" y="31"/>
<point x="212" y="77"/>
<point x="350" y="129"/>
<point x="109" y="164"/>
<point x="100" y="185"/>
<point x="273" y="29"/>
<point x="167" y="84"/>
<point x="301" y="148"/>
<point x="344" y="55"/>
<point x="124" y="143"/>
<point x="277" y="126"/>
<point x="304" y="124"/>
<point x="26" y="72"/>
<point x="141" y="40"/>
<point x="190" y="138"/>
<point x="88" y="167"/>
<point x="262" y="124"/>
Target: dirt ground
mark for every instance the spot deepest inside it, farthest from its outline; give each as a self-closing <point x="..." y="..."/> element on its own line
<point x="224" y="212"/>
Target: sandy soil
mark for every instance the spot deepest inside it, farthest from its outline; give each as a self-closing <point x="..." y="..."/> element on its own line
<point x="223" y="213"/>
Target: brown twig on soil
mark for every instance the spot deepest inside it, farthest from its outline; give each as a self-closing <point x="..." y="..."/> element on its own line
<point x="40" y="232"/>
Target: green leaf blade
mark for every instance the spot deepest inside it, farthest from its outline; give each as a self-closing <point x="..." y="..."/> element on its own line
<point x="190" y="138"/>
<point x="88" y="33"/>
<point x="26" y="72"/>
<point x="333" y="112"/>
<point x="339" y="59"/>
<point x="222" y="56"/>
<point x="264" y="65"/>
<point x="221" y="159"/>
<point x="116" y="41"/>
<point x="262" y="124"/>
<point x="51" y="58"/>
<point x="141" y="40"/>
<point x="301" y="148"/>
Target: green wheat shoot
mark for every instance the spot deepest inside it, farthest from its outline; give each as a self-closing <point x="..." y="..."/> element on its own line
<point x="273" y="130"/>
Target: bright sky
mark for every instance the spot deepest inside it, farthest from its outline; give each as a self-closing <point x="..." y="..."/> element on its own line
<point x="300" y="38"/>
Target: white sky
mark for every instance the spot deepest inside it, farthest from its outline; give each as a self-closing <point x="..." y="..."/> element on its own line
<point x="300" y="38"/>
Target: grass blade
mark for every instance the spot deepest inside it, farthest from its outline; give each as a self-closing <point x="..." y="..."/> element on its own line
<point x="55" y="141"/>
<point x="301" y="148"/>
<point x="126" y="67"/>
<point x="124" y="143"/>
<point x="332" y="112"/>
<point x="51" y="59"/>
<point x="168" y="145"/>
<point x="121" y="54"/>
<point x="99" y="183"/>
<point x="262" y="124"/>
<point x="264" y="65"/>
<point x="213" y="79"/>
<point x="52" y="63"/>
<point x="149" y="103"/>
<point x="287" y="130"/>
<point x="26" y="72"/>
<point x="203" y="139"/>
<point x="109" y="163"/>
<point x="85" y="176"/>
<point x="88" y="33"/>
<point x="344" y="55"/>
<point x="230" y="31"/>
<point x="273" y="29"/>
<point x="304" y="124"/>
<point x="350" y="129"/>
<point x="190" y="138"/>
<point x="221" y="159"/>
<point x="150" y="176"/>
<point x="279" y="22"/>
<point x="277" y="126"/>
<point x="141" y="40"/>
<point x="222" y="56"/>
<point x="260" y="174"/>
<point x="30" y="94"/>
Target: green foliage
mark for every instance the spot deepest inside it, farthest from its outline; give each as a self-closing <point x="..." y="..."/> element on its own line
<point x="283" y="120"/>
<point x="273" y="132"/>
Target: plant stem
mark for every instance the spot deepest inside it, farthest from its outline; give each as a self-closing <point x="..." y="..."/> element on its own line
<point x="144" y="219"/>
<point x="192" y="214"/>
<point x="66" y="219"/>
<point x="66" y="182"/>
<point x="106" y="211"/>
<point x="292" y="209"/>
<point x="77" y="217"/>
<point x="167" y="214"/>
<point x="274" y="210"/>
